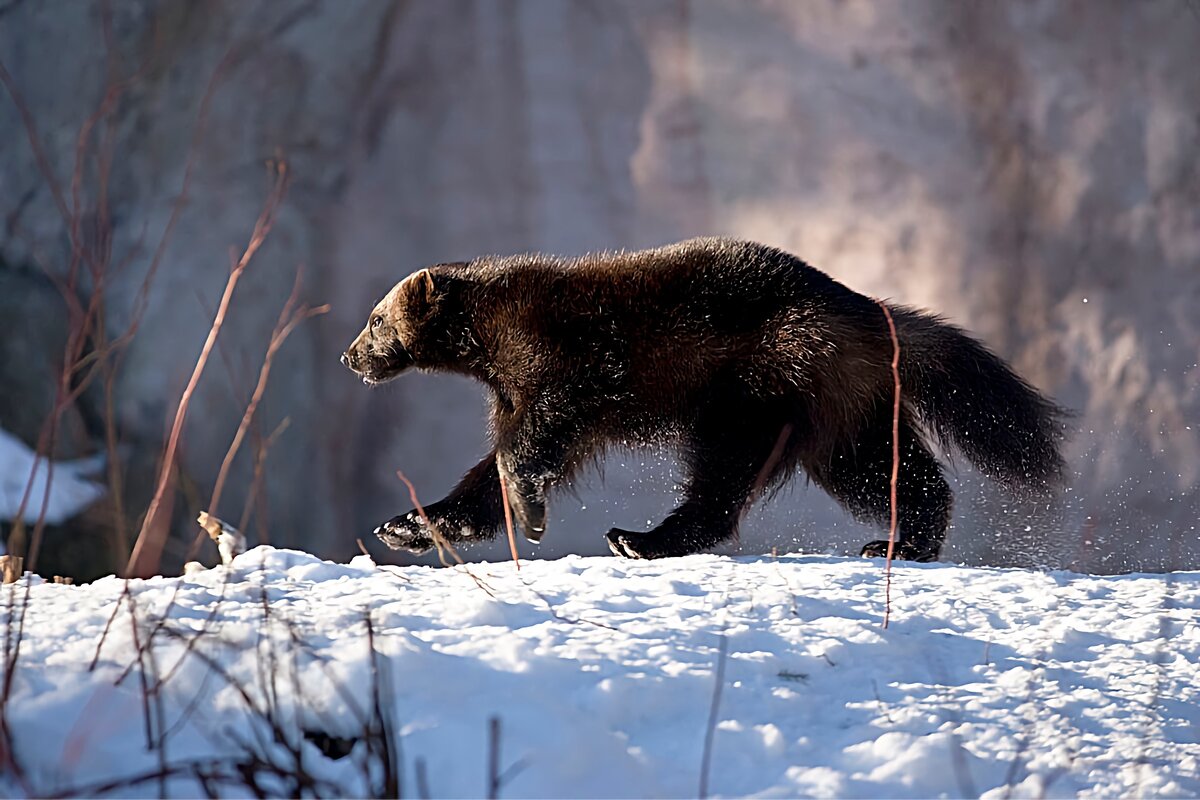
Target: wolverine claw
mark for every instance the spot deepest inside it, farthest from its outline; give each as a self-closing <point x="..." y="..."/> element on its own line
<point x="614" y="543"/>
<point x="533" y="522"/>
<point x="530" y="515"/>
<point x="405" y="532"/>
<point x="902" y="551"/>
<point x="877" y="549"/>
<point x="626" y="544"/>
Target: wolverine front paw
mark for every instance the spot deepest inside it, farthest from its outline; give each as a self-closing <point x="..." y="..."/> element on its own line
<point x="406" y="532"/>
<point x="903" y="551"/>
<point x="631" y="544"/>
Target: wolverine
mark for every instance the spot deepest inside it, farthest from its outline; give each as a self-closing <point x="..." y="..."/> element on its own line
<point x="752" y="363"/>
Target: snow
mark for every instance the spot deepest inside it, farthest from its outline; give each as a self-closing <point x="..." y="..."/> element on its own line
<point x="70" y="492"/>
<point x="601" y="673"/>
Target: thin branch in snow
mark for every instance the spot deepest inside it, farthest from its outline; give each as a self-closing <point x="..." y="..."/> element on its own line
<point x="147" y="720"/>
<point x="554" y="612"/>
<point x="108" y="626"/>
<point x="440" y="541"/>
<point x="443" y="546"/>
<point x="379" y="732"/>
<point x="711" y="729"/>
<point x="261" y="446"/>
<point x="230" y="541"/>
<point x="508" y="526"/>
<point x="293" y="314"/>
<point x="86" y="324"/>
<point x="497" y="778"/>
<point x="147" y="549"/>
<point x="493" y="765"/>
<point x="887" y="602"/>
<point x="12" y="650"/>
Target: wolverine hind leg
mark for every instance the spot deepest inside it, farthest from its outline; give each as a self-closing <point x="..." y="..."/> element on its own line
<point x="726" y="454"/>
<point x="858" y="475"/>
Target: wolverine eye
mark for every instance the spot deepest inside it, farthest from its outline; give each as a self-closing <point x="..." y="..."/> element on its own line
<point x="376" y="321"/>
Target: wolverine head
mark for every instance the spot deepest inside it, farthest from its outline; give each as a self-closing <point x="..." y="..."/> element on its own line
<point x="409" y="327"/>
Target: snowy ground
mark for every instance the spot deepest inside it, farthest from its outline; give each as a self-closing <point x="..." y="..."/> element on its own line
<point x="601" y="673"/>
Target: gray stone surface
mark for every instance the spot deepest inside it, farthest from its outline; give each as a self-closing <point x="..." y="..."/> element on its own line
<point x="1028" y="169"/>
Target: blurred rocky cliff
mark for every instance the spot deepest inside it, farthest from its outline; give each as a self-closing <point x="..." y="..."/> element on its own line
<point x="1029" y="169"/>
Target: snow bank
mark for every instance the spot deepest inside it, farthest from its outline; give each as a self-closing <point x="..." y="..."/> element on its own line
<point x="70" y="491"/>
<point x="601" y="673"/>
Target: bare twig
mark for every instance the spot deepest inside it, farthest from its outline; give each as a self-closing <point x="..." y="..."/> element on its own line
<point x="508" y="526"/>
<point x="148" y="547"/>
<point x="493" y="765"/>
<point x="381" y="739"/>
<point x="86" y="324"/>
<point x="12" y="651"/>
<point x="262" y="446"/>
<point x="554" y="612"/>
<point x="440" y="542"/>
<point x="291" y="316"/>
<point x="497" y="778"/>
<point x="887" y="602"/>
<point x="107" y="626"/>
<point x="713" y="710"/>
<point x="443" y="546"/>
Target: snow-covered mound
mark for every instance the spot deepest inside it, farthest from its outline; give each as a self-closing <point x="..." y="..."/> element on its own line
<point x="600" y="674"/>
<point x="70" y="491"/>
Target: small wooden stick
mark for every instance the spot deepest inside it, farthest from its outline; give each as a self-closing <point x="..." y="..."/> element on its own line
<point x="512" y="540"/>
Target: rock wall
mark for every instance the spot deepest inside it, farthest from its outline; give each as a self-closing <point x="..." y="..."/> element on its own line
<point x="1028" y="169"/>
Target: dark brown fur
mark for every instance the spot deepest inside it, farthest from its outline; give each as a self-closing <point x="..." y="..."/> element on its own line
<point x="730" y="350"/>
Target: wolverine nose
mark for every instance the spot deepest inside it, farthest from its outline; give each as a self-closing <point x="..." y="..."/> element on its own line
<point x="345" y="359"/>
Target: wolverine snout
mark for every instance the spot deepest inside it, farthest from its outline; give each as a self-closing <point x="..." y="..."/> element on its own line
<point x="376" y="362"/>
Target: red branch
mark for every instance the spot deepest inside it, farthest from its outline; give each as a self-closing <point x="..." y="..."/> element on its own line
<point x="143" y="561"/>
<point x="291" y="316"/>
<point x="887" y="606"/>
<point x="440" y="542"/>
<point x="508" y="526"/>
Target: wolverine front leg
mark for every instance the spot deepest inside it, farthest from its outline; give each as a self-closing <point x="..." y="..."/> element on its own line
<point x="472" y="511"/>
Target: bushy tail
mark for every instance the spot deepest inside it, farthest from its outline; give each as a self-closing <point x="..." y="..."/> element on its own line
<point x="967" y="395"/>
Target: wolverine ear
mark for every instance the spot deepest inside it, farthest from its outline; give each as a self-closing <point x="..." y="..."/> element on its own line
<point x="420" y="288"/>
<point x="425" y="283"/>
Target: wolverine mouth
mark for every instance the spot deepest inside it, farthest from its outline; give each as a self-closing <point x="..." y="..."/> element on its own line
<point x="374" y="376"/>
<point x="375" y="370"/>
